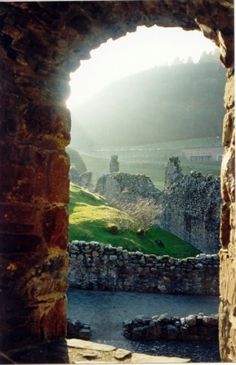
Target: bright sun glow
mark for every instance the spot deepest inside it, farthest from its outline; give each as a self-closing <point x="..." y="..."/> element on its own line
<point x="142" y="50"/>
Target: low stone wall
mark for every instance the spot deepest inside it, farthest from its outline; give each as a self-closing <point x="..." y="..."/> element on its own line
<point x="103" y="267"/>
<point x="164" y="327"/>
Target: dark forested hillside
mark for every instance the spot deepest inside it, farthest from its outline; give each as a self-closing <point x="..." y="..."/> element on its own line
<point x="165" y="103"/>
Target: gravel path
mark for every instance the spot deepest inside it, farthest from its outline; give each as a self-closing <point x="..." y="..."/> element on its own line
<point x="105" y="312"/>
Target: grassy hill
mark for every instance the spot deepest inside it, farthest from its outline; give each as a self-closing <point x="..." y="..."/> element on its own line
<point x="92" y="218"/>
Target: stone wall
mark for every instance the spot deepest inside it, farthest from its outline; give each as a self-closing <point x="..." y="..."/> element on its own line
<point x="103" y="267"/>
<point x="41" y="43"/>
<point x="123" y="188"/>
<point x="194" y="327"/>
<point x="227" y="319"/>
<point x="189" y="207"/>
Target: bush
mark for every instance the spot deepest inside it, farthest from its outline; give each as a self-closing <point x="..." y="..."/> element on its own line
<point x="141" y="232"/>
<point x="143" y="211"/>
<point x="112" y="228"/>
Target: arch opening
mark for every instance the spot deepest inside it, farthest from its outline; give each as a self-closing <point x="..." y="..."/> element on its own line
<point x="102" y="151"/>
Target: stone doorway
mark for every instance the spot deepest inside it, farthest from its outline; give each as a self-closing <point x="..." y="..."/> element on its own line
<point x="41" y="43"/>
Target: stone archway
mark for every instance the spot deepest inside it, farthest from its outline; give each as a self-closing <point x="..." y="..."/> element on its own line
<point x="41" y="43"/>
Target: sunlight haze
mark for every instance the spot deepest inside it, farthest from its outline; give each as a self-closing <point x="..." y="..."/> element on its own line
<point x="138" y="51"/>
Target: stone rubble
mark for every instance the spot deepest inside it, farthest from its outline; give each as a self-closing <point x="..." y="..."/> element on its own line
<point x="194" y="327"/>
<point x="78" y="330"/>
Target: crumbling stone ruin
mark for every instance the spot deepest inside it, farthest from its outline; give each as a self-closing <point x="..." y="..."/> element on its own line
<point x="126" y="188"/>
<point x="189" y="207"/>
<point x="173" y="172"/>
<point x="194" y="327"/>
<point x="114" y="164"/>
<point x="85" y="179"/>
<point x="78" y="173"/>
<point x="41" y="43"/>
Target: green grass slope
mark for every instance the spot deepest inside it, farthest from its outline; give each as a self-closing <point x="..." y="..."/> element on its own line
<point x="90" y="219"/>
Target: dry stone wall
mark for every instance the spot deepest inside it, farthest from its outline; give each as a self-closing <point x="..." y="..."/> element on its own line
<point x="102" y="267"/>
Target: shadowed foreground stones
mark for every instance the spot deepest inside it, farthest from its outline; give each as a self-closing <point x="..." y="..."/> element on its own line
<point x="164" y="327"/>
<point x="74" y="351"/>
<point x="78" y="330"/>
<point x="84" y="351"/>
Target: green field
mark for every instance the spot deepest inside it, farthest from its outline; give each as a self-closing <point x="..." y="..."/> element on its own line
<point x="91" y="218"/>
<point x="151" y="160"/>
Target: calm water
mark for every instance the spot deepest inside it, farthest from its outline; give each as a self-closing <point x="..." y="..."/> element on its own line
<point x="105" y="311"/>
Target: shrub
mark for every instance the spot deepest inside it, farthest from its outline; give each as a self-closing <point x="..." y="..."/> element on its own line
<point x="143" y="211"/>
<point x="141" y="232"/>
<point x="112" y="228"/>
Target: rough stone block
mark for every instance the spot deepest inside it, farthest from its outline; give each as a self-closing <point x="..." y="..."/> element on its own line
<point x="55" y="221"/>
<point x="14" y="243"/>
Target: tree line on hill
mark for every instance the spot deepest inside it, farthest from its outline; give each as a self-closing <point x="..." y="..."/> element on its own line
<point x="166" y="103"/>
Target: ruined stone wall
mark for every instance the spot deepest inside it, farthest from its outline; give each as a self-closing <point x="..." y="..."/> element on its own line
<point x="122" y="188"/>
<point x="100" y="267"/>
<point x="189" y="207"/>
<point x="194" y="327"/>
<point x="40" y="44"/>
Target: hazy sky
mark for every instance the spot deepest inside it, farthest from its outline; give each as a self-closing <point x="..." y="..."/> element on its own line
<point x="144" y="49"/>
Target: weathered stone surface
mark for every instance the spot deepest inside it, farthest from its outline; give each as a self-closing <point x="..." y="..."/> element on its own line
<point x="197" y="327"/>
<point x="122" y="354"/>
<point x="88" y="345"/>
<point x="100" y="267"/>
<point x="126" y="188"/>
<point x="90" y="355"/>
<point x="85" y="179"/>
<point x="114" y="164"/>
<point x="58" y="352"/>
<point x="78" y="330"/>
<point x="41" y="43"/>
<point x="189" y="207"/>
<point x="138" y="358"/>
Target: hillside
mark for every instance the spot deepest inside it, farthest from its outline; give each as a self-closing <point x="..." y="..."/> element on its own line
<point x="91" y="219"/>
<point x="166" y="103"/>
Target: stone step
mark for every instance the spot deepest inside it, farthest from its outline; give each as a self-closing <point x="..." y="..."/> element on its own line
<point x="81" y="351"/>
<point x="74" y="351"/>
